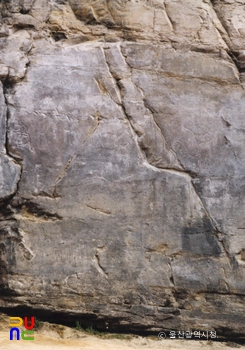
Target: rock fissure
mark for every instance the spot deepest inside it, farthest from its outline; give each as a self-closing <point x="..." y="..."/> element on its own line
<point x="100" y="267"/>
<point x="102" y="211"/>
<point x="62" y="174"/>
<point x="15" y="160"/>
<point x="181" y="171"/>
<point x="169" y="147"/>
<point x="216" y="231"/>
<point x="26" y="208"/>
<point x="168" y="17"/>
<point x="71" y="159"/>
<point x="173" y="170"/>
<point x="218" y="81"/>
<point x="138" y="135"/>
<point x="135" y="136"/>
<point x="234" y="52"/>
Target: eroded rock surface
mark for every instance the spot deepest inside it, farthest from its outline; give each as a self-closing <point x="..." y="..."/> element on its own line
<point x="122" y="164"/>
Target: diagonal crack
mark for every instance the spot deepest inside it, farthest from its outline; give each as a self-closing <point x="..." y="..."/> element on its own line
<point x="151" y="112"/>
<point x="10" y="234"/>
<point x="8" y="84"/>
<point x="181" y="172"/>
<point x="15" y="160"/>
<point x="142" y="139"/>
<point x="65" y="169"/>
<point x="221" y="27"/>
<point x="171" y="272"/>
<point x="102" y="211"/>
<point x="121" y="105"/>
<point x="217" y="232"/>
<point x="71" y="159"/>
<point x="100" y="267"/>
<point x="171" y="23"/>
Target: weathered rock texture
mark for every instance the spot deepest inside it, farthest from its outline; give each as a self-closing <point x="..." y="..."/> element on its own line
<point x="122" y="162"/>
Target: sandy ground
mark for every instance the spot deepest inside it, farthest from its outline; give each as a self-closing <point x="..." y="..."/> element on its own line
<point x="54" y="337"/>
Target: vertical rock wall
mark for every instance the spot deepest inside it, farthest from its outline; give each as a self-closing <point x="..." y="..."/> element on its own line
<point x="122" y="164"/>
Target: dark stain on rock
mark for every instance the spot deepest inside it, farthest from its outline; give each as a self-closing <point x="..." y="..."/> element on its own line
<point x="200" y="239"/>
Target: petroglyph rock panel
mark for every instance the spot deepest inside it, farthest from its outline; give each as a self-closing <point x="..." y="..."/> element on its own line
<point x="122" y="162"/>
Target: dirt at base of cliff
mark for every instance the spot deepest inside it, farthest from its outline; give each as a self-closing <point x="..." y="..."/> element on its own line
<point x="51" y="337"/>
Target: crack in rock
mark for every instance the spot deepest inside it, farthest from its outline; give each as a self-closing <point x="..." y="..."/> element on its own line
<point x="102" y="211"/>
<point x="143" y="153"/>
<point x="27" y="209"/>
<point x="10" y="168"/>
<point x="100" y="267"/>
<point x="156" y="152"/>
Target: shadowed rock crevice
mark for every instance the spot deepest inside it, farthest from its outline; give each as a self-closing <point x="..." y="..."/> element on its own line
<point x="238" y="58"/>
<point x="32" y="210"/>
<point x="11" y="168"/>
<point x="229" y="19"/>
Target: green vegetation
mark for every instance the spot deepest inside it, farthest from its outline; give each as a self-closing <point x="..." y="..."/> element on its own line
<point x="38" y="324"/>
<point x="105" y="335"/>
<point x="92" y="331"/>
<point x="78" y="326"/>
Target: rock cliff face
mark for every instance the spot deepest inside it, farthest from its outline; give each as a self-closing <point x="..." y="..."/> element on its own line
<point x="122" y="164"/>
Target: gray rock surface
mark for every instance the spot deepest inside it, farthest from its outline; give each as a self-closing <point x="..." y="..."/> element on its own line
<point x="122" y="164"/>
